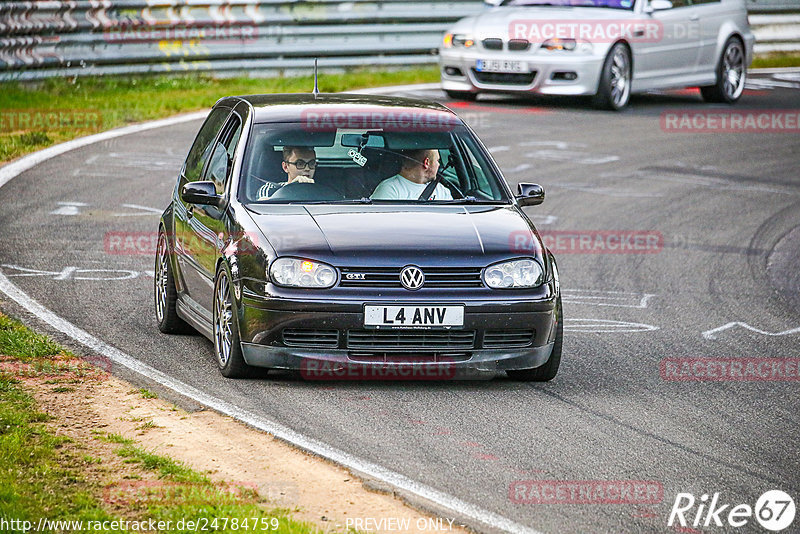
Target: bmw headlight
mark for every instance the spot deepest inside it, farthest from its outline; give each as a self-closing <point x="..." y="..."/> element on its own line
<point x="297" y="272"/>
<point x="514" y="274"/>
<point x="458" y="40"/>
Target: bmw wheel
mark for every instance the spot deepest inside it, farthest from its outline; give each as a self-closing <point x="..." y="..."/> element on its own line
<point x="549" y="370"/>
<point x="731" y="75"/>
<point x="227" y="348"/>
<point x="614" y="90"/>
<point x="164" y="292"/>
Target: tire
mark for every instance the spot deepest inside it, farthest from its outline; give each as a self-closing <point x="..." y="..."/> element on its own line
<point x="614" y="89"/>
<point x="165" y="294"/>
<point x="462" y="95"/>
<point x="227" y="346"/>
<point x="549" y="370"/>
<point x="731" y="75"/>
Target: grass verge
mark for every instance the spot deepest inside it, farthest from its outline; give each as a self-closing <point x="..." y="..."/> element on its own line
<point x="37" y="115"/>
<point x="775" y="60"/>
<point x="48" y="476"/>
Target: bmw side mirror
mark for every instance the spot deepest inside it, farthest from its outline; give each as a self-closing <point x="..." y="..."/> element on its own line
<point x="658" y="5"/>
<point x="529" y="194"/>
<point x="202" y="193"/>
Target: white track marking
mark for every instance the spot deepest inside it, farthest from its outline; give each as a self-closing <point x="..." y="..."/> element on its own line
<point x="297" y="439"/>
<point x="74" y="273"/>
<point x="712" y="334"/>
<point x="596" y="297"/>
<point x="542" y="220"/>
<point x="23" y="164"/>
<point x="604" y="326"/>
<point x="495" y="149"/>
<point x="519" y="168"/>
<point x="68" y="208"/>
<point x="144" y="211"/>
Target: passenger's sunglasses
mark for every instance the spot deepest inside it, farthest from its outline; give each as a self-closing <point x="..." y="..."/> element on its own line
<point x="302" y="164"/>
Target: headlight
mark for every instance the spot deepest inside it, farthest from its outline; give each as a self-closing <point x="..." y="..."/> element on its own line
<point x="296" y="272"/>
<point x="514" y="273"/>
<point x="560" y="44"/>
<point x="457" y="40"/>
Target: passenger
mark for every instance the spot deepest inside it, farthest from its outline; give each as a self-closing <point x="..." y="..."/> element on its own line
<point x="419" y="168"/>
<point x="299" y="163"/>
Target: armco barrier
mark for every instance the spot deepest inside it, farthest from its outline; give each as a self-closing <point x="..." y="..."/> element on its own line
<point x="46" y="38"/>
<point x="64" y="38"/>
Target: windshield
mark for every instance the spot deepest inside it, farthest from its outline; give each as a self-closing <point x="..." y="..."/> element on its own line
<point x="382" y="161"/>
<point x="615" y="4"/>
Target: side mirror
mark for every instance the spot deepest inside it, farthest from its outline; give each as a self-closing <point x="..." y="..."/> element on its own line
<point x="658" y="5"/>
<point x="529" y="194"/>
<point x="492" y="3"/>
<point x="202" y="193"/>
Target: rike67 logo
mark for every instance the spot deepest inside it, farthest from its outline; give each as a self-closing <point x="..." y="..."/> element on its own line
<point x="774" y="511"/>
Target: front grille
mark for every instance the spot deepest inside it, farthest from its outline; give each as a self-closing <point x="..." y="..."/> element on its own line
<point x="505" y="78"/>
<point x="305" y="337"/>
<point x="518" y="45"/>
<point x="502" y="339"/>
<point x="493" y="44"/>
<point x="399" y="340"/>
<point x="435" y="277"/>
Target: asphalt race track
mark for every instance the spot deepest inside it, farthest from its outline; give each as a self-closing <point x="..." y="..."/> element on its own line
<point x="725" y="205"/>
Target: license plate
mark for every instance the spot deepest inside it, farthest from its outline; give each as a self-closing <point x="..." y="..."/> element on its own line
<point x="413" y="316"/>
<point x="500" y="65"/>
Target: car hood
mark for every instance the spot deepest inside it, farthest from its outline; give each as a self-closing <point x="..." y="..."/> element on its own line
<point x="397" y="235"/>
<point x="496" y="22"/>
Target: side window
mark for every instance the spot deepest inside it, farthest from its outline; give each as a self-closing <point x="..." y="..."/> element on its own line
<point x="479" y="174"/>
<point x="680" y="3"/>
<point x="219" y="167"/>
<point x="201" y="149"/>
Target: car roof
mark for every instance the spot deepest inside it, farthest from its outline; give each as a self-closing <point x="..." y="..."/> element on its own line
<point x="291" y="106"/>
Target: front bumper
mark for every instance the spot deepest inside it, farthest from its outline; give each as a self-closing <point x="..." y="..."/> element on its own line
<point x="547" y="68"/>
<point x="264" y="323"/>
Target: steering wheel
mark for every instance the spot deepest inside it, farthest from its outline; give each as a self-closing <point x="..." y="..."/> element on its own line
<point x="306" y="191"/>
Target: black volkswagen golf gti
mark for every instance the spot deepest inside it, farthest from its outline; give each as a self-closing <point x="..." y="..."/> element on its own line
<point x="351" y="236"/>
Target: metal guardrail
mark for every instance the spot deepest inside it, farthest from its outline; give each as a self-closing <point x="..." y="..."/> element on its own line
<point x="78" y="37"/>
<point x="776" y="33"/>
<point x="48" y="38"/>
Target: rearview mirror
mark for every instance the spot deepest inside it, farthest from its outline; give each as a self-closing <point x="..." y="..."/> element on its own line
<point x="202" y="193"/>
<point x="529" y="194"/>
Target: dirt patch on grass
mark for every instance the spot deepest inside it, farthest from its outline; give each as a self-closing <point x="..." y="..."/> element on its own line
<point x="89" y="409"/>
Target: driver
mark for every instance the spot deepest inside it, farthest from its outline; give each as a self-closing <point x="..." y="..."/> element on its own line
<point x="419" y="168"/>
<point x="299" y="163"/>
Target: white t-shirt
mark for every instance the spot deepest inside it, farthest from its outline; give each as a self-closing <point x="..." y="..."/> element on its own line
<point x="399" y="188"/>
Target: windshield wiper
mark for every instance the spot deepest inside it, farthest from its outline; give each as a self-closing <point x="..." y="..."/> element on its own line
<point x="470" y="200"/>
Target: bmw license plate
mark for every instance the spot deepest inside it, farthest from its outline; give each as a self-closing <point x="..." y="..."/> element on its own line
<point x="413" y="316"/>
<point x="500" y="65"/>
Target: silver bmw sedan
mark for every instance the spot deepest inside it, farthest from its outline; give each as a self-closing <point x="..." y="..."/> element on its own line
<point x="604" y="48"/>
